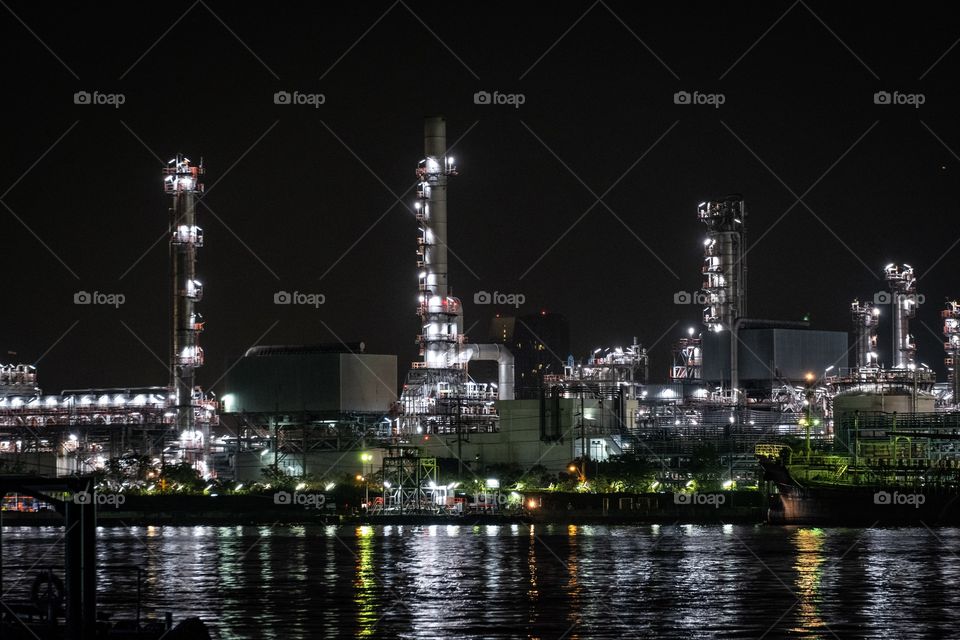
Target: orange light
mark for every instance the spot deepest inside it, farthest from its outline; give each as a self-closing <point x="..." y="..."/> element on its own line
<point x="531" y="504"/>
<point x="572" y="469"/>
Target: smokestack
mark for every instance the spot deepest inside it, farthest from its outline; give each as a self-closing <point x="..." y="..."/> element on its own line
<point x="181" y="180"/>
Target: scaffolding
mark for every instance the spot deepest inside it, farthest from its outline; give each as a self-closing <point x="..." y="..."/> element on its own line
<point x="410" y="483"/>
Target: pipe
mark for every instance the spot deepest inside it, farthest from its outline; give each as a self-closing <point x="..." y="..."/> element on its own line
<point x="504" y="360"/>
<point x="435" y="150"/>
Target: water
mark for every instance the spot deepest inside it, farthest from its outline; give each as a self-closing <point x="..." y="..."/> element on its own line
<point x="513" y="581"/>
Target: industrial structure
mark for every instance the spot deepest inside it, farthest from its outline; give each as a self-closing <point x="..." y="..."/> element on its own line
<point x="905" y="387"/>
<point x="78" y="431"/>
<point x="299" y="410"/>
<point x="439" y="395"/>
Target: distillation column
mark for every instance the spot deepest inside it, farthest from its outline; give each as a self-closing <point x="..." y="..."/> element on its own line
<point x="865" y="318"/>
<point x="724" y="262"/>
<point x="903" y="304"/>
<point x="440" y="313"/>
<point x="951" y="331"/>
<point x="181" y="180"/>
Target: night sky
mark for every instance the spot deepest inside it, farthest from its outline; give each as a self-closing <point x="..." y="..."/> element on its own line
<point x="292" y="187"/>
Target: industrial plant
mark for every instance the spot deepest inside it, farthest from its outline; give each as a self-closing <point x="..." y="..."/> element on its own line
<point x="734" y="382"/>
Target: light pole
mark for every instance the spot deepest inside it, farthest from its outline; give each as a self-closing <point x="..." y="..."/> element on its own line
<point x="365" y="458"/>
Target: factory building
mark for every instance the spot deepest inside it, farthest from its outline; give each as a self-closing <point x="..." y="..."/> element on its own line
<point x="298" y="408"/>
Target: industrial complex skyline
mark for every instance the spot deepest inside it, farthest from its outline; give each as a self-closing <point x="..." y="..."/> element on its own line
<point x="584" y="144"/>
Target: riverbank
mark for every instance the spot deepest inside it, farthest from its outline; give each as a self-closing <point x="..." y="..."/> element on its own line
<point x="538" y="508"/>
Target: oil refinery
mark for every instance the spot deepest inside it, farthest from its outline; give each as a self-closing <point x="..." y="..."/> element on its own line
<point x="733" y="383"/>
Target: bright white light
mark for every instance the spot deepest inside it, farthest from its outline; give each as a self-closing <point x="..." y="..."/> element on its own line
<point x="492" y="483"/>
<point x="330" y="486"/>
<point x="301" y="486"/>
<point x="691" y="331"/>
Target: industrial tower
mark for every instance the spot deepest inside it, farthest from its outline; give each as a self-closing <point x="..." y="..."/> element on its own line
<point x="724" y="262"/>
<point x="951" y="331"/>
<point x="903" y="305"/>
<point x="865" y="318"/>
<point x="439" y="396"/>
<point x="181" y="180"/>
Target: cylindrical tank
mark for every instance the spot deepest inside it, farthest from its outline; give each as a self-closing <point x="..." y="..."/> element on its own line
<point x="900" y="401"/>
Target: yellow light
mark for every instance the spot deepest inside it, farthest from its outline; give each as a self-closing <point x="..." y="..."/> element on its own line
<point x="531" y="504"/>
<point x="572" y="468"/>
<point x="359" y="478"/>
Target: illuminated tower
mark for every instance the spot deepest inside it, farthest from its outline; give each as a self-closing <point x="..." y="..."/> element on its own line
<point x="440" y="313"/>
<point x="903" y="306"/>
<point x="951" y="331"/>
<point x="181" y="180"/>
<point x="724" y="263"/>
<point x="865" y="317"/>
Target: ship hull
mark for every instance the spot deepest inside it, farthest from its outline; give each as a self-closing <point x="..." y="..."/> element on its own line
<point x="862" y="506"/>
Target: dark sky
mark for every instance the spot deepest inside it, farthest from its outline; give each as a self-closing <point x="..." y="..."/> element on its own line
<point x="291" y="198"/>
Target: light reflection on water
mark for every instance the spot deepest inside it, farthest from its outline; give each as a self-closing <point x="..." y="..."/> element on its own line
<point x="514" y="581"/>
